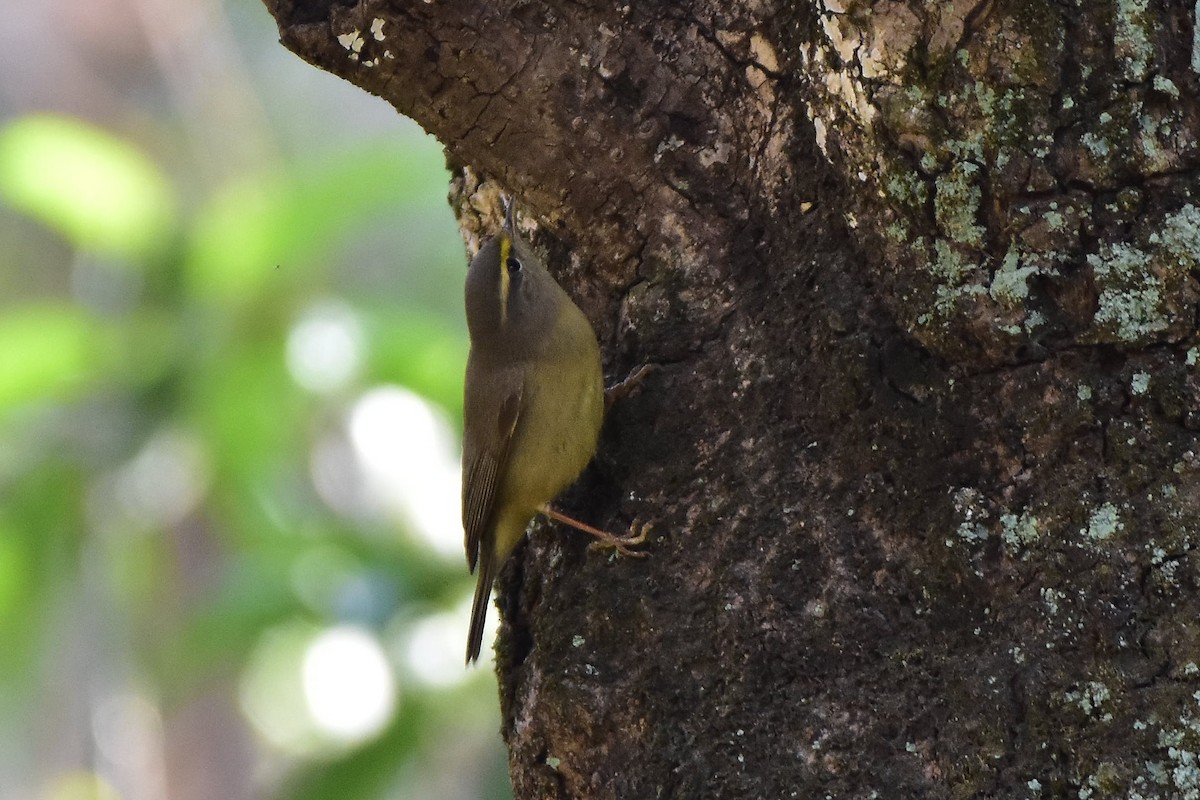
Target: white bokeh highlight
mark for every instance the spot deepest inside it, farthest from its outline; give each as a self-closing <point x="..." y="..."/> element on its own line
<point x="408" y="454"/>
<point x="325" y="347"/>
<point x="166" y="480"/>
<point x="306" y="687"/>
<point x="349" y="686"/>
<point x="434" y="647"/>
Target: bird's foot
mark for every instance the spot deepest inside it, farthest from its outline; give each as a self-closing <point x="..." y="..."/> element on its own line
<point x="638" y="532"/>
<point x="622" y="388"/>
<point x="605" y="540"/>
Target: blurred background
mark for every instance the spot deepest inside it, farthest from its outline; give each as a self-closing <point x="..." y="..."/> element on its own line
<point x="231" y="354"/>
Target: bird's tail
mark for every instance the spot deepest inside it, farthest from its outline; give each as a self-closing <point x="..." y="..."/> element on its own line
<point x="479" y="609"/>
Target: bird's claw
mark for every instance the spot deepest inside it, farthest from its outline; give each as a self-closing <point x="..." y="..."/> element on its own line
<point x="638" y="532"/>
<point x="622" y="388"/>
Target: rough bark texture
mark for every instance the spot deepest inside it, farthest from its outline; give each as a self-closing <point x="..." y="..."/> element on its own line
<point x="921" y="461"/>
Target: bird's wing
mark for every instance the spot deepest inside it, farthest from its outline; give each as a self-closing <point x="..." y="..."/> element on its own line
<point x="486" y="460"/>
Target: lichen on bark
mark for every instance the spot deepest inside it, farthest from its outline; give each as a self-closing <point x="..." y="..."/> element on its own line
<point x="992" y="143"/>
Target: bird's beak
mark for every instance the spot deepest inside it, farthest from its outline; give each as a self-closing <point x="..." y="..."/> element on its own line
<point x="510" y="223"/>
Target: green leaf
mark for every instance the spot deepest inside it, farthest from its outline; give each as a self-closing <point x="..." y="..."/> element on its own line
<point x="48" y="352"/>
<point x="96" y="190"/>
<point x="281" y="227"/>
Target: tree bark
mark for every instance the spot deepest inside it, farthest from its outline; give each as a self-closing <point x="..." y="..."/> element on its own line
<point x="921" y="457"/>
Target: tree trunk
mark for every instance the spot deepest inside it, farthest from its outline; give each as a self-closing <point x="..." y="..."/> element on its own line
<point x="920" y="458"/>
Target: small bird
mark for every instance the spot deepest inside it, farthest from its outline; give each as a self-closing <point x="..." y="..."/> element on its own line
<point x="534" y="403"/>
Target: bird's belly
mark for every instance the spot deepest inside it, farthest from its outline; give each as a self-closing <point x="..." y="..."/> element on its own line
<point x="555" y="440"/>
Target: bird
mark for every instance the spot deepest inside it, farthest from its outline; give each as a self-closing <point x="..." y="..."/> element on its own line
<point x="533" y="405"/>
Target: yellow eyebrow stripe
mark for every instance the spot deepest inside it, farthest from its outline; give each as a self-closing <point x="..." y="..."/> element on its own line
<point x="505" y="249"/>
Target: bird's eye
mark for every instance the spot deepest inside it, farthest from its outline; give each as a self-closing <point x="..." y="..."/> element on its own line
<point x="513" y="264"/>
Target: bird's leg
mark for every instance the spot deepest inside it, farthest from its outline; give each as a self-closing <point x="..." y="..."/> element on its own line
<point x="637" y="533"/>
<point x="622" y="388"/>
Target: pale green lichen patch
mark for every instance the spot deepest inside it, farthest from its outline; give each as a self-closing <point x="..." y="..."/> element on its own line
<point x="947" y="299"/>
<point x="1097" y="145"/>
<point x="1134" y="312"/>
<point x="1130" y="294"/>
<point x="1132" y="39"/>
<point x="1166" y="86"/>
<point x="907" y="188"/>
<point x="1103" y="523"/>
<point x="1091" y="698"/>
<point x="972" y="532"/>
<point x="957" y="280"/>
<point x="1151" y="133"/>
<point x="1140" y="287"/>
<point x="1010" y="283"/>
<point x="1143" y="132"/>
<point x="1179" y="237"/>
<point x="897" y="232"/>
<point x="1018" y="531"/>
<point x="948" y="264"/>
<point x="971" y="506"/>
<point x="1051" y="598"/>
<point x="1139" y="383"/>
<point x="1165" y="569"/>
<point x="994" y="124"/>
<point x="1177" y="774"/>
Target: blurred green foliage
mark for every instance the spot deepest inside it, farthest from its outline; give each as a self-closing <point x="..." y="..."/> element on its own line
<point x="159" y="517"/>
<point x="97" y="191"/>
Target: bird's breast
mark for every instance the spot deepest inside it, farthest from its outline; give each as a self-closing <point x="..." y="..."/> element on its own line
<point x="562" y="410"/>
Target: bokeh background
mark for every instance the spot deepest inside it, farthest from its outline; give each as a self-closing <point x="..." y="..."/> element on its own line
<point x="231" y="354"/>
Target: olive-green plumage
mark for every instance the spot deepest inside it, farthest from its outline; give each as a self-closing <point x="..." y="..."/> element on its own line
<point x="533" y="407"/>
